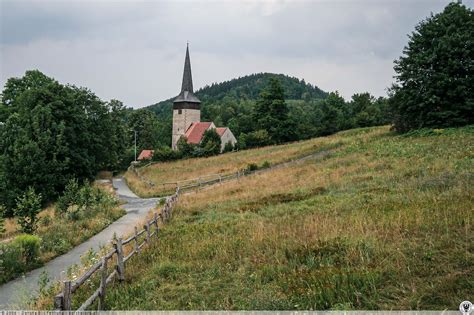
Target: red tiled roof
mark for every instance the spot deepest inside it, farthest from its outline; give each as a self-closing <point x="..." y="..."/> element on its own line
<point x="145" y="155"/>
<point x="196" y="131"/>
<point x="220" y="131"/>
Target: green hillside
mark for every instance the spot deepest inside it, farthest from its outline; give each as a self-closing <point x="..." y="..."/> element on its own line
<point x="230" y="103"/>
<point x="383" y="222"/>
<point x="245" y="88"/>
<point x="311" y="111"/>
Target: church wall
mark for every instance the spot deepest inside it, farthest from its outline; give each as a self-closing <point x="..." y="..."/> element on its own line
<point x="181" y="123"/>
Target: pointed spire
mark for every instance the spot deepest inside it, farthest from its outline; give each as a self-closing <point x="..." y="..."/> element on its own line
<point x="186" y="95"/>
<point x="187" y="77"/>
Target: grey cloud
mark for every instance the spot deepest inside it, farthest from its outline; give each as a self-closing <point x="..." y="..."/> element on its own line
<point x="134" y="50"/>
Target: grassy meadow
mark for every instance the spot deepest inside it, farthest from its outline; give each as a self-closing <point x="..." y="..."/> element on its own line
<point x="188" y="169"/>
<point x="384" y="222"/>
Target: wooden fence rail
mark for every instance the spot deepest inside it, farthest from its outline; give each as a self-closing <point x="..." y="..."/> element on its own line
<point x="63" y="300"/>
<point x="210" y="179"/>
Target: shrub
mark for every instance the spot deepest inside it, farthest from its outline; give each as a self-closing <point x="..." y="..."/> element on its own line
<point x="10" y="262"/>
<point x="18" y="256"/>
<point x="29" y="247"/>
<point x="69" y="196"/>
<point x="265" y="164"/>
<point x="27" y="209"/>
<point x="165" y="153"/>
<point x="254" y="139"/>
<point x="184" y="147"/>
<point x="211" y="143"/>
<point x="251" y="167"/>
<point x="229" y="147"/>
<point x="85" y="197"/>
<point x="45" y="221"/>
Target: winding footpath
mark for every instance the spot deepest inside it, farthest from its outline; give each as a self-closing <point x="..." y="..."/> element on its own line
<point x="14" y="293"/>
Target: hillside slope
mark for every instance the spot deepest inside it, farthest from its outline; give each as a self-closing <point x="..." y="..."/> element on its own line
<point x="224" y="164"/>
<point x="230" y="104"/>
<point x="244" y="88"/>
<point x="385" y="222"/>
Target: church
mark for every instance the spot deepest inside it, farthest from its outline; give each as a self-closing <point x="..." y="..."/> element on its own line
<point x="187" y="114"/>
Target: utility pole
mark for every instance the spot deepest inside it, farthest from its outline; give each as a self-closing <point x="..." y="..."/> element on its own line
<point x="135" y="145"/>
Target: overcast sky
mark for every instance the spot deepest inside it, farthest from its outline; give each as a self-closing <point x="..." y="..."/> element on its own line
<point x="134" y="51"/>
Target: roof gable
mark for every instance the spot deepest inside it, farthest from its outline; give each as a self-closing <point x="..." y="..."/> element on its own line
<point x="196" y="131"/>
<point x="145" y="155"/>
<point x="220" y="131"/>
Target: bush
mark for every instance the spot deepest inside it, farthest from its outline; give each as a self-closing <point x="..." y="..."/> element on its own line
<point x="254" y="167"/>
<point x="69" y="196"/>
<point x="251" y="167"/>
<point x="77" y="201"/>
<point x="229" y="147"/>
<point x="18" y="256"/>
<point x="165" y="153"/>
<point x="10" y="262"/>
<point x="184" y="147"/>
<point x="29" y="247"/>
<point x="27" y="209"/>
<point x="211" y="143"/>
<point x="254" y="139"/>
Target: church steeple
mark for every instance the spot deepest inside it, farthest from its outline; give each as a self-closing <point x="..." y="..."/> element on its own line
<point x="186" y="106"/>
<point x="187" y="77"/>
<point x="186" y="98"/>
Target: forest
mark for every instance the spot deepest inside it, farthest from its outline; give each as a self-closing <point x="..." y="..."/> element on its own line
<point x="311" y="111"/>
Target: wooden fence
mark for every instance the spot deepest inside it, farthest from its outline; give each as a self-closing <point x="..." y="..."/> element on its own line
<point x="119" y="256"/>
<point x="115" y="261"/>
<point x="207" y="180"/>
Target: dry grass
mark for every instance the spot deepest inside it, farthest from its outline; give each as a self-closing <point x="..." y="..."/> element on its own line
<point x="171" y="172"/>
<point x="383" y="223"/>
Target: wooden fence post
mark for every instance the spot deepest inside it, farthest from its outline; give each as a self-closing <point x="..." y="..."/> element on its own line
<point x="67" y="295"/>
<point x="137" y="249"/>
<point x="103" y="284"/>
<point x="120" y="266"/>
<point x="155" y="217"/>
<point x="147" y="229"/>
<point x="58" y="302"/>
<point x="161" y="216"/>
<point x="167" y="216"/>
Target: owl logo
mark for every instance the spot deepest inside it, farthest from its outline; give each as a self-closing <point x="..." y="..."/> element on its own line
<point x="466" y="308"/>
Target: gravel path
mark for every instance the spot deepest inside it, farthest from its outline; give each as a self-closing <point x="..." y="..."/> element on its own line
<point x="14" y="293"/>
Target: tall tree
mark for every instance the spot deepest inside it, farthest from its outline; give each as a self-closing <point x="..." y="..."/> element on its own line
<point x="333" y="111"/>
<point x="271" y="113"/>
<point x="53" y="133"/>
<point x="435" y="74"/>
<point x="148" y="129"/>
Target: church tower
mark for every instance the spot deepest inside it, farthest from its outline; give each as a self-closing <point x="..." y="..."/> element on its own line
<point x="186" y="106"/>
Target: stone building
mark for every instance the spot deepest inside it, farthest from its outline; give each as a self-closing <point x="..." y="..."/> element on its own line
<point x="187" y="114"/>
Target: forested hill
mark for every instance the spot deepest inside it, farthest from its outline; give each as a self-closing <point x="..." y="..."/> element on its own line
<point x="245" y="88"/>
<point x="250" y="86"/>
